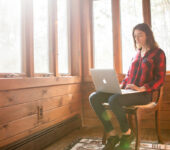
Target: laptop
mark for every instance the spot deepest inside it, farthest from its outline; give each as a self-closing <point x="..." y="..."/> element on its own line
<point x="105" y="80"/>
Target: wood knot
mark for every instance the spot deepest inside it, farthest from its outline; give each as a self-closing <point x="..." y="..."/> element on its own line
<point x="70" y="109"/>
<point x="44" y="92"/>
<point x="5" y="126"/>
<point x="10" y="99"/>
<point x="60" y="102"/>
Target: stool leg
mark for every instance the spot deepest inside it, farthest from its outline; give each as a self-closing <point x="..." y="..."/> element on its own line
<point x="104" y="138"/>
<point x="137" y="120"/>
<point x="157" y="127"/>
<point x="130" y="119"/>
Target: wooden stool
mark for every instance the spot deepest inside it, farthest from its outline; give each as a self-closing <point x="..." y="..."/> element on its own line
<point x="137" y="111"/>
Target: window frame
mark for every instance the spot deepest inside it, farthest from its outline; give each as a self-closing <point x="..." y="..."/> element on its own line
<point x="117" y="57"/>
<point x="29" y="79"/>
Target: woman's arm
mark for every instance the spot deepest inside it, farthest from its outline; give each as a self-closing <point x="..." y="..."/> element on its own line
<point x="137" y="88"/>
<point x="159" y="74"/>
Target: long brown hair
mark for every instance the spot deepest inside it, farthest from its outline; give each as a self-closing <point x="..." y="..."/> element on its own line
<point x="150" y="40"/>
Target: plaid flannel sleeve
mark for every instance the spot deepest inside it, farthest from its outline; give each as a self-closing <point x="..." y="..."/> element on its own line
<point x="160" y="71"/>
<point x="124" y="81"/>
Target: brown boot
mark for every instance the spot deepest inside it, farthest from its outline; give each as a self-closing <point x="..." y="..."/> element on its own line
<point x="111" y="142"/>
<point x="125" y="142"/>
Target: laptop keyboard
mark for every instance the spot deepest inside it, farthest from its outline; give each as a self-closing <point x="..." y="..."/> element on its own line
<point x="127" y="91"/>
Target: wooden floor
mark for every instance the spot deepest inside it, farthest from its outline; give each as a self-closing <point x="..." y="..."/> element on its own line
<point x="79" y="133"/>
<point x="147" y="135"/>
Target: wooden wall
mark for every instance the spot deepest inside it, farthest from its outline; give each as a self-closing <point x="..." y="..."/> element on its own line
<point x="26" y="111"/>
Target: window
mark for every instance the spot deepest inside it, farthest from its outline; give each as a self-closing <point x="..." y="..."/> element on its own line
<point x="102" y="34"/>
<point x="41" y="36"/>
<point x="10" y="36"/>
<point x="160" y="14"/>
<point x="131" y="14"/>
<point x="63" y="46"/>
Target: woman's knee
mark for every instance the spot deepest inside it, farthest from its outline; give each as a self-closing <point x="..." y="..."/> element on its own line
<point x="114" y="100"/>
<point x="92" y="97"/>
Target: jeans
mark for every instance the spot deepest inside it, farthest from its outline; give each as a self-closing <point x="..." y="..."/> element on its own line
<point x="116" y="102"/>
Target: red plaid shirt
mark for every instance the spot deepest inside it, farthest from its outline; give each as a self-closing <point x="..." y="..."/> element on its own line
<point x="148" y="71"/>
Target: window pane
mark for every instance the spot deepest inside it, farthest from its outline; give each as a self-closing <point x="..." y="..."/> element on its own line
<point x="103" y="34"/>
<point x="160" y="14"/>
<point x="41" y="36"/>
<point x="131" y="15"/>
<point x="62" y="36"/>
<point x="10" y="36"/>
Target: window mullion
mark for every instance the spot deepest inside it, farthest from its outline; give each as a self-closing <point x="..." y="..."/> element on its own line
<point x="117" y="49"/>
<point x="53" y="42"/>
<point x="27" y="9"/>
<point x="75" y="37"/>
<point x="146" y="11"/>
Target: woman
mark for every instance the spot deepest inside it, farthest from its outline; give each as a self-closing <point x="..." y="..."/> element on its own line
<point x="146" y="74"/>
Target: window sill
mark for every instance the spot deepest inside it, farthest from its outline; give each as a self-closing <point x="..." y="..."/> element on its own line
<point x="19" y="83"/>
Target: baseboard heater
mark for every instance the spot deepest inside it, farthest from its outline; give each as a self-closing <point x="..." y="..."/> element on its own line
<point x="42" y="139"/>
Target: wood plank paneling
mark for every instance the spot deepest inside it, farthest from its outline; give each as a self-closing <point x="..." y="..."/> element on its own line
<point x="60" y="112"/>
<point x="165" y="125"/>
<point x="8" y="114"/>
<point x="20" y="83"/>
<point x="15" y="112"/>
<point x="165" y="106"/>
<point x="165" y="116"/>
<point x="90" y="122"/>
<point x="34" y="130"/>
<point x="26" y="95"/>
<point x="46" y="137"/>
<point x="18" y="126"/>
<point x="19" y="109"/>
<point x="59" y="101"/>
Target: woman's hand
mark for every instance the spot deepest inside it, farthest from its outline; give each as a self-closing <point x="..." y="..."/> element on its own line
<point x="121" y="86"/>
<point x="134" y="87"/>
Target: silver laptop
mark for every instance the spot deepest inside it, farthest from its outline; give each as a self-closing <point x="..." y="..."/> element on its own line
<point x="105" y="80"/>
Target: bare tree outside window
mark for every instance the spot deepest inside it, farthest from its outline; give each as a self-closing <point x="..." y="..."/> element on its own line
<point x="41" y="36"/>
<point x="10" y="36"/>
<point x="131" y="14"/>
<point x="103" y="34"/>
<point x="62" y="22"/>
<point x="160" y="14"/>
